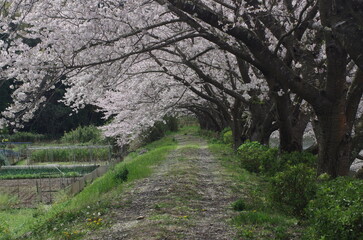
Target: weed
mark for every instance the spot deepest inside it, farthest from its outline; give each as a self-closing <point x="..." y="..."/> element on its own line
<point x="71" y="235"/>
<point x="122" y="175"/>
<point x="3" y="160"/>
<point x="5" y="233"/>
<point x="7" y="201"/>
<point x="94" y="222"/>
<point x="239" y="205"/>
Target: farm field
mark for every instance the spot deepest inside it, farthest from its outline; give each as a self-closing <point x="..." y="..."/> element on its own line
<point x="29" y="192"/>
<point x="40" y="172"/>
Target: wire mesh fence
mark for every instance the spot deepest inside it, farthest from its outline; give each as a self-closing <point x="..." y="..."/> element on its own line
<point x="51" y="169"/>
<point x="30" y="192"/>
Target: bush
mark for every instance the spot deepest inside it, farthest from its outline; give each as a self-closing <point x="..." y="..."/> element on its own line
<point x="160" y="129"/>
<point x="251" y="154"/>
<point x="3" y="160"/>
<point x="122" y="175"/>
<point x="228" y="137"/>
<point x="293" y="188"/>
<point x="272" y="163"/>
<point x="239" y="205"/>
<point x="294" y="158"/>
<point x="337" y="211"/>
<point x="87" y="134"/>
<point x="26" y="137"/>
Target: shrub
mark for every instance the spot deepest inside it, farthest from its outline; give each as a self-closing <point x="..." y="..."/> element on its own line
<point x="87" y="134"/>
<point x="272" y="163"/>
<point x="256" y="157"/>
<point x="172" y="123"/>
<point x="26" y="137"/>
<point x="212" y="136"/>
<point x="228" y="137"/>
<point x="337" y="211"/>
<point x="160" y="129"/>
<point x="251" y="154"/>
<point x="122" y="175"/>
<point x="239" y="205"/>
<point x="293" y="188"/>
<point x="3" y="160"/>
<point x="294" y="158"/>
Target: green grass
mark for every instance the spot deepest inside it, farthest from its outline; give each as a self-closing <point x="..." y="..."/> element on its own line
<point x="70" y="214"/>
<point x="22" y="163"/>
<point x="259" y="218"/>
<point x="16" y="221"/>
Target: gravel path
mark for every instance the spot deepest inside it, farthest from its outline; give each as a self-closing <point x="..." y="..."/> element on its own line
<point x="187" y="197"/>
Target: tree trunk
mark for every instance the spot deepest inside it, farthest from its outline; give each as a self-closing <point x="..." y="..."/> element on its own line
<point x="261" y="129"/>
<point x="334" y="145"/>
<point x="236" y="124"/>
<point x="291" y="135"/>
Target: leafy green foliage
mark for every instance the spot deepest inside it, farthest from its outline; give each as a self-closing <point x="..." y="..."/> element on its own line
<point x="239" y="205"/>
<point x="228" y="138"/>
<point x="160" y="129"/>
<point x="122" y="174"/>
<point x="273" y="163"/>
<point x="26" y="137"/>
<point x="251" y="154"/>
<point x="337" y="211"/>
<point x="87" y="134"/>
<point x="3" y="160"/>
<point x="294" y="188"/>
<point x="256" y="157"/>
<point x="294" y="158"/>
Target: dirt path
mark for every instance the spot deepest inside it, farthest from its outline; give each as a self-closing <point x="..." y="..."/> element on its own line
<point x="188" y="197"/>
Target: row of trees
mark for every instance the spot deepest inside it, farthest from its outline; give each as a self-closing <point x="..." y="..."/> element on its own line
<point x="252" y="65"/>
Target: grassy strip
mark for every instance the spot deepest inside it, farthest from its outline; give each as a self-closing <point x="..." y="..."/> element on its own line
<point x="45" y="172"/>
<point x="258" y="218"/>
<point x="34" y="176"/>
<point x="70" y="218"/>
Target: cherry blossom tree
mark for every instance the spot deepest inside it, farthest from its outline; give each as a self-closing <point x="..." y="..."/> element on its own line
<point x="299" y="49"/>
<point x="334" y="100"/>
